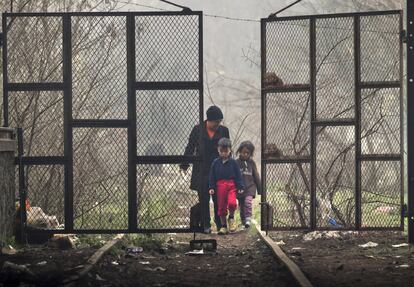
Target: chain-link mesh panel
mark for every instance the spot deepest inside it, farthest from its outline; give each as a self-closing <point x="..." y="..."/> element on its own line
<point x="34" y="49"/>
<point x="164" y="197"/>
<point x="287" y="53"/>
<point x="335" y="68"/>
<point x="100" y="183"/>
<point x="287" y="124"/>
<point x="380" y="52"/>
<point x="167" y="48"/>
<point x="99" y="67"/>
<point x="165" y="120"/>
<point x="380" y="121"/>
<point x="45" y="192"/>
<point x="288" y="192"/>
<point x="335" y="177"/>
<point x="40" y="114"/>
<point x="381" y="194"/>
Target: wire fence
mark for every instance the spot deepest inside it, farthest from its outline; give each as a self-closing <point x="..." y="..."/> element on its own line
<point x="331" y="94"/>
<point x="106" y="102"/>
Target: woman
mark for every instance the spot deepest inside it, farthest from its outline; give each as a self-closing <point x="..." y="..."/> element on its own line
<point x="211" y="132"/>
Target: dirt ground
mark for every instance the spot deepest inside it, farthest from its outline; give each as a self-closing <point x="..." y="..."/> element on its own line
<point x="50" y="266"/>
<point x="242" y="259"/>
<point x="341" y="262"/>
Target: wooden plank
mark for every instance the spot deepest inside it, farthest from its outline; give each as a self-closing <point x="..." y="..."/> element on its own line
<point x="278" y="252"/>
<point x="92" y="261"/>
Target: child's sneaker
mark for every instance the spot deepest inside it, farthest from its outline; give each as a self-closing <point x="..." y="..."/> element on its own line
<point x="247" y="224"/>
<point x="232" y="225"/>
<point x="223" y="231"/>
<point x="207" y="230"/>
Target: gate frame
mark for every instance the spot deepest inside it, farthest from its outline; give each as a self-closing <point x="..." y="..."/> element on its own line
<point x="129" y="124"/>
<point x="356" y="121"/>
<point x="410" y="118"/>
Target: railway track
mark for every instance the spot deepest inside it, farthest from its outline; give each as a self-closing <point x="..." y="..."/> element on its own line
<point x="230" y="248"/>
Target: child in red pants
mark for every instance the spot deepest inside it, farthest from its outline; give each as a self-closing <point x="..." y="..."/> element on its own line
<point x="225" y="180"/>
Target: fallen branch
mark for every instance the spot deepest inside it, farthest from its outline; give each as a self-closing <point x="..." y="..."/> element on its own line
<point x="92" y="261"/>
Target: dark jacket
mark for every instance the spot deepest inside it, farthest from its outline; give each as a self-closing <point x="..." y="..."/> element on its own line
<point x="251" y="178"/>
<point x="208" y="154"/>
<point x="225" y="170"/>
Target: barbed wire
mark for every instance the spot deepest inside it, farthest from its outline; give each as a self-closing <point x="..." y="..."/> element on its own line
<point x="285" y="23"/>
<point x="205" y="14"/>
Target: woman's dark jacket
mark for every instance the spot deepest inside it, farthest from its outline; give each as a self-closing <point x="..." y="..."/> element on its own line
<point x="208" y="154"/>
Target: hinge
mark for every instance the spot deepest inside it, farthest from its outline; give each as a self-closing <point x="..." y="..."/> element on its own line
<point x="403" y="36"/>
<point x="404" y="210"/>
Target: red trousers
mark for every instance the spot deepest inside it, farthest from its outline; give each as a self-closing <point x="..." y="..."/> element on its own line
<point x="226" y="196"/>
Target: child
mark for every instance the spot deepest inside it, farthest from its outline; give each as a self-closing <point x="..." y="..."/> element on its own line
<point x="251" y="180"/>
<point x="225" y="180"/>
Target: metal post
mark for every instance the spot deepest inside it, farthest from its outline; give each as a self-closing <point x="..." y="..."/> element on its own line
<point x="5" y="80"/>
<point x="201" y="117"/>
<point x="312" y="48"/>
<point x="410" y="117"/>
<point x="263" y="121"/>
<point x="402" y="114"/>
<point x="357" y="111"/>
<point x="67" y="102"/>
<point x="132" y="129"/>
<point x="22" y="186"/>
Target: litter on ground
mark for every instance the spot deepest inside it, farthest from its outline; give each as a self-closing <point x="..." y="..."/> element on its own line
<point x="368" y="244"/>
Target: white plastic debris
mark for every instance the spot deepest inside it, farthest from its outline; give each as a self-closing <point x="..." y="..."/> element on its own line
<point x="321" y="234"/>
<point x="144" y="262"/>
<point x="403" y="266"/>
<point x="312" y="236"/>
<point x="195" y="252"/>
<point x="368" y="244"/>
<point x="399" y="245"/>
<point x="42" y="263"/>
<point x="246" y="266"/>
<point x="281" y="242"/>
<point x="114" y="263"/>
<point x="298" y="248"/>
<point x="370" y="256"/>
<point x="36" y="217"/>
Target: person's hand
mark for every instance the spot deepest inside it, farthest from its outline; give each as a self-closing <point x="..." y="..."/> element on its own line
<point x="211" y="191"/>
<point x="240" y="191"/>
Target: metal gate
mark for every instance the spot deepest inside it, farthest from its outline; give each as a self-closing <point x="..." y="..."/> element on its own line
<point x="332" y="121"/>
<point x="106" y="102"/>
